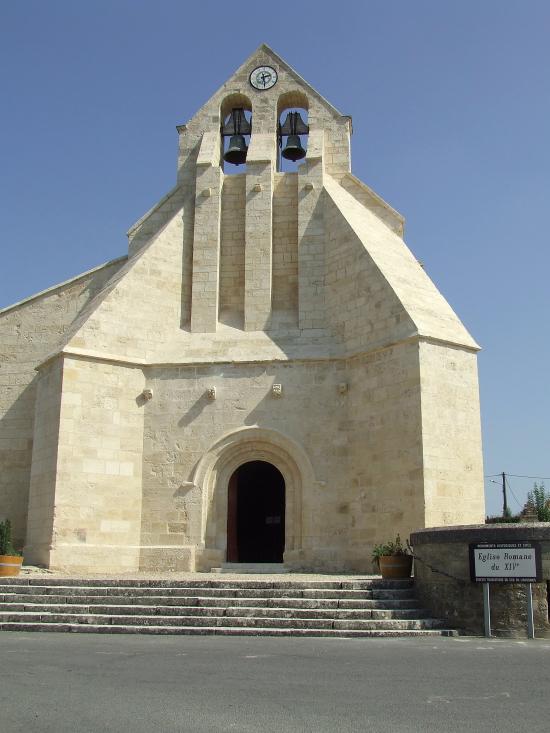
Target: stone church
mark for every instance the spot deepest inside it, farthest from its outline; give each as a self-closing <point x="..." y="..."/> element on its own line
<point x="268" y="376"/>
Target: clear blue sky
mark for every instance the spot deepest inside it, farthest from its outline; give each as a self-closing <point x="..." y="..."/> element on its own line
<point x="451" y="110"/>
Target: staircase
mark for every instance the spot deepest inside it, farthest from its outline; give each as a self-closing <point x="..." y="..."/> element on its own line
<point x="331" y="608"/>
<point x="255" y="568"/>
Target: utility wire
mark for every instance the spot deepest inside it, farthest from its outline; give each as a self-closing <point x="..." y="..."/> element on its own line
<point x="517" y="475"/>
<point x="512" y="492"/>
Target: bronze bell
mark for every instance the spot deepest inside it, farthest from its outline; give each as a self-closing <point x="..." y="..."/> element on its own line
<point x="293" y="127"/>
<point x="237" y="150"/>
<point x="293" y="150"/>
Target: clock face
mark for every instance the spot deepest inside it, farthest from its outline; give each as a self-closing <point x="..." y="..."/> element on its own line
<point x="263" y="77"/>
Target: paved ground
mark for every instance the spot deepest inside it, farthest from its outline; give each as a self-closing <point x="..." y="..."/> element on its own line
<point x="84" y="682"/>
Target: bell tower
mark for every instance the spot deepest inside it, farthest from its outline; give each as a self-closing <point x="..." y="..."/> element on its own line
<point x="256" y="111"/>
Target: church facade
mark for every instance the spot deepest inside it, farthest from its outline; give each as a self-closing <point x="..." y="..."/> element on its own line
<point x="269" y="375"/>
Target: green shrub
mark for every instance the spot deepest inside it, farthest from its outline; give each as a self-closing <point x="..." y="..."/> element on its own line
<point x="6" y="547"/>
<point x="539" y="499"/>
<point x="390" y="548"/>
<point x="512" y="519"/>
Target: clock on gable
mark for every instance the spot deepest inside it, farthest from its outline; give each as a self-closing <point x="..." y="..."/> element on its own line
<point x="263" y="77"/>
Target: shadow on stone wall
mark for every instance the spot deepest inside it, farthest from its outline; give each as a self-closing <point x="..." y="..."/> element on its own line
<point x="16" y="440"/>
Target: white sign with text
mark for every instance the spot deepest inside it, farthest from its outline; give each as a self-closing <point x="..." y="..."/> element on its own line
<point x="514" y="562"/>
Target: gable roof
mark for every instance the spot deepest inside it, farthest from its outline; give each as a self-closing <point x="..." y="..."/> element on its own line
<point x="260" y="56"/>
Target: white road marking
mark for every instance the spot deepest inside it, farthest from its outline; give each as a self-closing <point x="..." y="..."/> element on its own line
<point x="442" y="698"/>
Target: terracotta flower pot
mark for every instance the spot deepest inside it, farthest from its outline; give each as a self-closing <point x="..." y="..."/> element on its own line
<point x="395" y="566"/>
<point x="10" y="565"/>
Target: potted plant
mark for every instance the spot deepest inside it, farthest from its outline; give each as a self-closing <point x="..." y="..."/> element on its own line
<point x="10" y="559"/>
<point x="394" y="559"/>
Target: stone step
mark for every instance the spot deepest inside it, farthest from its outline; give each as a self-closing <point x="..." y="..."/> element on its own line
<point x="209" y="582"/>
<point x="26" y="598"/>
<point x="236" y="621"/>
<point x="221" y="630"/>
<point x="252" y="567"/>
<point x="148" y="610"/>
<point x="220" y="592"/>
<point x="363" y="607"/>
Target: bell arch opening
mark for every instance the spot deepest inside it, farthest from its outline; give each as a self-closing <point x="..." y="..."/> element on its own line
<point x="292" y="130"/>
<point x="236" y="127"/>
<point x="256" y="514"/>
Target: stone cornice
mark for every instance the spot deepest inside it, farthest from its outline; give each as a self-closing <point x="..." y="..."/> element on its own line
<point x="125" y="361"/>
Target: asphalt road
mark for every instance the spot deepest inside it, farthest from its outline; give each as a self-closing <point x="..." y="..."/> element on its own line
<point x="86" y="682"/>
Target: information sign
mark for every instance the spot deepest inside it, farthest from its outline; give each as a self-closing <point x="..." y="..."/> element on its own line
<point x="512" y="562"/>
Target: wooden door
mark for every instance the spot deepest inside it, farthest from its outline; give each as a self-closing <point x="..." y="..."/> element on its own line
<point x="232" y="540"/>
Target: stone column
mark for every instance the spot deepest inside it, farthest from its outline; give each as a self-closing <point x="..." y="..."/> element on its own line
<point x="258" y="232"/>
<point x="311" y="237"/>
<point x="206" y="240"/>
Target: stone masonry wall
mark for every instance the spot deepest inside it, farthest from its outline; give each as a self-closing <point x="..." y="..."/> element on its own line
<point x="182" y="422"/>
<point x="383" y="444"/>
<point x="358" y="422"/>
<point x="99" y="462"/>
<point x="29" y="332"/>
<point x="407" y="302"/>
<point x="451" y="436"/>
<point x="232" y="245"/>
<point x="362" y="311"/>
<point x="289" y="91"/>
<point x="442" y="579"/>
<point x="138" y="316"/>
<point x="43" y="472"/>
<point x="285" y="242"/>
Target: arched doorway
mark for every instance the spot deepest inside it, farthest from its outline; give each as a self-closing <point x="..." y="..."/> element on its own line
<point x="256" y="514"/>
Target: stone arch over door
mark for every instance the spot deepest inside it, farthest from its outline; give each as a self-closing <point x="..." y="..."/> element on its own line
<point x="216" y="467"/>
